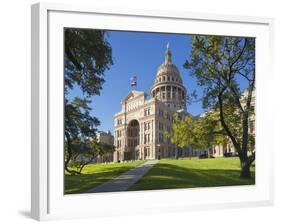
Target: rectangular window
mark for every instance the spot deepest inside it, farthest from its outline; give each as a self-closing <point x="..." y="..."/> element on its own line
<point x="118" y="143"/>
<point x="147" y="112"/>
<point x="161" y="126"/>
<point x="119" y="121"/>
<point x="168" y="116"/>
<point x="146" y="126"/>
<point x="160" y="138"/>
<point x="161" y="113"/>
<point x="146" y="138"/>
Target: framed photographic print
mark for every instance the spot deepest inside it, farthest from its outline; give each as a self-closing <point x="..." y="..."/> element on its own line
<point x="146" y="107"/>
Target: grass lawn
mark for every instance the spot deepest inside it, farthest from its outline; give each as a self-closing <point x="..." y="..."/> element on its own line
<point x="95" y="174"/>
<point x="185" y="173"/>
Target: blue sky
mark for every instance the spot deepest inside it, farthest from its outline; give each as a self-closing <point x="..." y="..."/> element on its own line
<point x="139" y="54"/>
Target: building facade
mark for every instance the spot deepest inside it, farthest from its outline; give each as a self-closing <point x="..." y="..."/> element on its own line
<point x="140" y="126"/>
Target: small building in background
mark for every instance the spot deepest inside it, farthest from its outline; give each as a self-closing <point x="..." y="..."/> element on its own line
<point x="107" y="138"/>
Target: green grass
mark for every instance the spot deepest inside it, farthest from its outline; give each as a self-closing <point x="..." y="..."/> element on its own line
<point x="185" y="173"/>
<point x="95" y="174"/>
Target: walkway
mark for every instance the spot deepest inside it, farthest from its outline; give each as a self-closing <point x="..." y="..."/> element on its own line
<point x="125" y="180"/>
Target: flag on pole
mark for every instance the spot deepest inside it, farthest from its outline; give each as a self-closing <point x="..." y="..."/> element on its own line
<point x="133" y="81"/>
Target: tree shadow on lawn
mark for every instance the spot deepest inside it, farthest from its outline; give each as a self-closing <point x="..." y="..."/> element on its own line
<point x="167" y="176"/>
<point x="84" y="182"/>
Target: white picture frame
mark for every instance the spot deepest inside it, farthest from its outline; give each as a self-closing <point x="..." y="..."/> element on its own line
<point x="48" y="201"/>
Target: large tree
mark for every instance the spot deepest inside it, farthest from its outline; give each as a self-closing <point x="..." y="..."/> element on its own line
<point x="225" y="68"/>
<point x="87" y="54"/>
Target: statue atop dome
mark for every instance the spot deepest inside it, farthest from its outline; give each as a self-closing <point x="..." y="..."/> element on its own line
<point x="168" y="55"/>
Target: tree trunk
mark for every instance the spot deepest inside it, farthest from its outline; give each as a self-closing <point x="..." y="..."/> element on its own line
<point x="81" y="168"/>
<point x="245" y="170"/>
<point x="69" y="155"/>
<point x="67" y="160"/>
<point x="245" y="162"/>
<point x="177" y="152"/>
<point x="243" y="148"/>
<point x="223" y="123"/>
<point x="72" y="172"/>
<point x="86" y="163"/>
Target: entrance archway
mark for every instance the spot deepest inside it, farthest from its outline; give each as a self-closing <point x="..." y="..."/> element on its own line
<point x="133" y="141"/>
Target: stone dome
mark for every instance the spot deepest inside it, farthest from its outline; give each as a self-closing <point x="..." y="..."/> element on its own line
<point x="168" y="86"/>
<point x="168" y="72"/>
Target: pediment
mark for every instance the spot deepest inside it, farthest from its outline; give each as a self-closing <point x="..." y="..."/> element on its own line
<point x="133" y="94"/>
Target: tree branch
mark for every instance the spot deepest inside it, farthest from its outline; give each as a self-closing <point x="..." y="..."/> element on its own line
<point x="239" y="55"/>
<point x="225" y="126"/>
<point x="250" y="80"/>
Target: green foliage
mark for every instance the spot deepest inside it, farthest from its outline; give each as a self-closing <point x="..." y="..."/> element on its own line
<point x="198" y="132"/>
<point x="183" y="131"/>
<point x="87" y="54"/>
<point x="78" y="121"/>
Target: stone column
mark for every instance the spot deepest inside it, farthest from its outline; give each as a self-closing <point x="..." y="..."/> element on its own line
<point x="141" y="133"/>
<point x="152" y="136"/>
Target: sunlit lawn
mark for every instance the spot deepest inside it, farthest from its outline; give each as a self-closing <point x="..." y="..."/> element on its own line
<point x="95" y="174"/>
<point x="185" y="173"/>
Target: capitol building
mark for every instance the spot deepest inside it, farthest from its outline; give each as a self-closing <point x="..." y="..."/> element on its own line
<point x="140" y="126"/>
